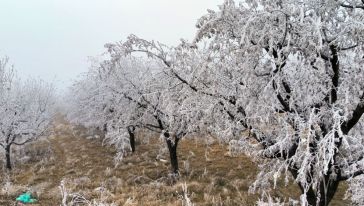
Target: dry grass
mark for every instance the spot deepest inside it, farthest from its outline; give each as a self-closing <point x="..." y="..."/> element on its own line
<point x="212" y="176"/>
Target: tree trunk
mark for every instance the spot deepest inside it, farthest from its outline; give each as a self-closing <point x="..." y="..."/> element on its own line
<point x="326" y="195"/>
<point x="7" y="156"/>
<point x="131" y="131"/>
<point x="172" y="147"/>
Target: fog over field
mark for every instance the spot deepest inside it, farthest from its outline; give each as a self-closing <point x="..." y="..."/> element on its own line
<point x="53" y="39"/>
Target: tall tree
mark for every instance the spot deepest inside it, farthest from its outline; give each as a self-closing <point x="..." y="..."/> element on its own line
<point x="25" y="109"/>
<point x="294" y="71"/>
<point x="140" y="94"/>
<point x="175" y="105"/>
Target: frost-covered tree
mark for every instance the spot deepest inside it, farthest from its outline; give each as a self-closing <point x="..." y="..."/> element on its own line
<point x="132" y="92"/>
<point x="176" y="106"/>
<point x="88" y="103"/>
<point x="102" y="99"/>
<point x="128" y="82"/>
<point x="294" y="76"/>
<point x="25" y="109"/>
<point x="161" y="103"/>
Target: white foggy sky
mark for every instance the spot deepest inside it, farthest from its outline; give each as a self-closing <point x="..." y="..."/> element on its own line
<point x="52" y="39"/>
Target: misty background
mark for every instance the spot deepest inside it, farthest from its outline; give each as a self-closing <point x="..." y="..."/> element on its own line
<point x="52" y="39"/>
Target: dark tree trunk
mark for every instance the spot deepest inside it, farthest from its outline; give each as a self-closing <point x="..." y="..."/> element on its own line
<point x="131" y="131"/>
<point x="8" y="158"/>
<point x="172" y="148"/>
<point x="326" y="195"/>
<point x="104" y="129"/>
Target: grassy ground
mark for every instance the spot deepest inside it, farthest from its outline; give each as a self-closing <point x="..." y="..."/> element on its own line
<point x="212" y="176"/>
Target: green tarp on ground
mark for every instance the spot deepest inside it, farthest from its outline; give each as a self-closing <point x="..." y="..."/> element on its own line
<point x="26" y="198"/>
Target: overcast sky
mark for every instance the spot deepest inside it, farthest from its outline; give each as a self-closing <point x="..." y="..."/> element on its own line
<point x="52" y="39"/>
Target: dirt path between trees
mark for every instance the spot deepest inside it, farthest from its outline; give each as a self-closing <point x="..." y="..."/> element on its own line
<point x="66" y="157"/>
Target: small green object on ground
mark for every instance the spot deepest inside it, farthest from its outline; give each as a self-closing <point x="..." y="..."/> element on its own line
<point x="26" y="198"/>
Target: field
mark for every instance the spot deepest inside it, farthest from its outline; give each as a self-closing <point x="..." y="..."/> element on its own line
<point x="212" y="176"/>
